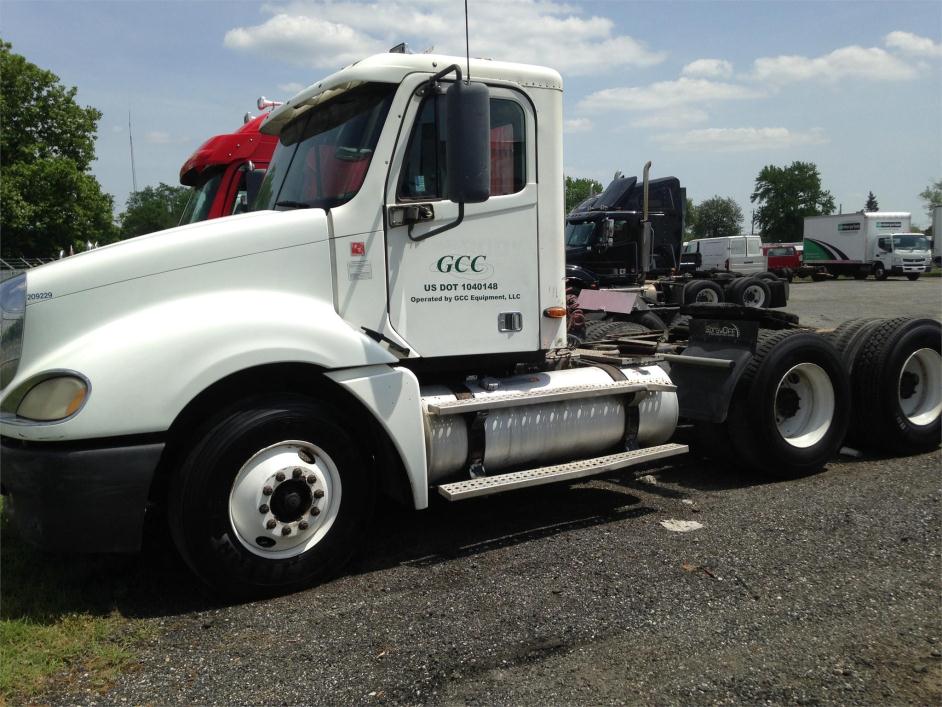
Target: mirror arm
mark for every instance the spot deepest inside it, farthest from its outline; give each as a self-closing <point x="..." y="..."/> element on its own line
<point x="440" y="229"/>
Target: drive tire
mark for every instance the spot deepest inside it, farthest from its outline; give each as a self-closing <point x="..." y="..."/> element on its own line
<point x="703" y="291"/>
<point x="791" y="408"/>
<point x="897" y="387"/>
<point x="751" y="292"/>
<point x="203" y="511"/>
<point x="849" y="337"/>
<point x="818" y="277"/>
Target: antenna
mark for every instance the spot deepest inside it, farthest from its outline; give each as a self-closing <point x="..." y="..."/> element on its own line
<point x="467" y="47"/>
<point x="131" y="142"/>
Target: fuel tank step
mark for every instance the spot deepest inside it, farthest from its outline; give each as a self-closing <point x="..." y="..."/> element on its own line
<point x="487" y="485"/>
<point x="518" y="399"/>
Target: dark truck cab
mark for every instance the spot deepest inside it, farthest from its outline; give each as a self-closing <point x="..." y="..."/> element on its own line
<point x="604" y="233"/>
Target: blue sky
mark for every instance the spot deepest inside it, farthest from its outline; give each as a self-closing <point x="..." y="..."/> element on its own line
<point x="710" y="91"/>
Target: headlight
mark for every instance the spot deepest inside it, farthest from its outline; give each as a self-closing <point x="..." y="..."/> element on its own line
<point x="53" y="399"/>
<point x="12" y="315"/>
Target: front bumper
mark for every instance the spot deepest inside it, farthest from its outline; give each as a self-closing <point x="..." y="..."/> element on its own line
<point x="78" y="499"/>
<point x="906" y="269"/>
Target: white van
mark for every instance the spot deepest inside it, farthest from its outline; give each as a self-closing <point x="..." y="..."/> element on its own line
<point x="742" y="254"/>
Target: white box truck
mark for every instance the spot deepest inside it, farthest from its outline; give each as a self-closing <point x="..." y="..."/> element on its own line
<point x="390" y="322"/>
<point x="860" y="244"/>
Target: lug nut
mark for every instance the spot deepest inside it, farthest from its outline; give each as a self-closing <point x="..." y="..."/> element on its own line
<point x="306" y="456"/>
<point x="271" y="523"/>
<point x="311" y="479"/>
<point x="263" y="508"/>
<point x="268" y="491"/>
<point x="303" y="525"/>
<point x="280" y="476"/>
<point x="286" y="530"/>
<point x="297" y="472"/>
<point x="318" y="493"/>
<point x="315" y="511"/>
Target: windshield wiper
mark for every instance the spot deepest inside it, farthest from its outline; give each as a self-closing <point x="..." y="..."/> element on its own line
<point x="294" y="204"/>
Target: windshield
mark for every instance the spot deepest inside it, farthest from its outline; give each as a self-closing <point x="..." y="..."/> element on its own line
<point x="322" y="156"/>
<point x="201" y="198"/>
<point x="579" y="234"/>
<point x="910" y="243"/>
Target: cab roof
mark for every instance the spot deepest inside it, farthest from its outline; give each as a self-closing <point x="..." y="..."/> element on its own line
<point x="394" y="67"/>
<point x="246" y="143"/>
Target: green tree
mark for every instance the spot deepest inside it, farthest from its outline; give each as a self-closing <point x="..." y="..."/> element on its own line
<point x="718" y="217"/>
<point x="579" y="189"/>
<point x="153" y="209"/>
<point x="871" y="204"/>
<point x="932" y="196"/>
<point x="690" y="220"/>
<point x="48" y="198"/>
<point x="786" y="195"/>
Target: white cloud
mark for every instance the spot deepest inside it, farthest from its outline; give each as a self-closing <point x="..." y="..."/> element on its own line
<point x="289" y="89"/>
<point x="159" y="137"/>
<point x="672" y="119"/>
<point x="306" y="41"/>
<point x="873" y="64"/>
<point x="913" y="44"/>
<point x="577" y="125"/>
<point x="666" y="94"/>
<point x="709" y="69"/>
<point x="741" y="139"/>
<point x="317" y="34"/>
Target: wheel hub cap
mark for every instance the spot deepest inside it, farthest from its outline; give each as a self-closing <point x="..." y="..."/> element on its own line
<point x="284" y="499"/>
<point x="920" y="387"/>
<point x="804" y="405"/>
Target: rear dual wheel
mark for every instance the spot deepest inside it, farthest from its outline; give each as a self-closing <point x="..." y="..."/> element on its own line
<point x="896" y="382"/>
<point x="790" y="411"/>
<point x="751" y="292"/>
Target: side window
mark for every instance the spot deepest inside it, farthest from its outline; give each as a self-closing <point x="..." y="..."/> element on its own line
<point x="754" y="245"/>
<point x="423" y="173"/>
<point x="240" y="202"/>
<point x="737" y="246"/>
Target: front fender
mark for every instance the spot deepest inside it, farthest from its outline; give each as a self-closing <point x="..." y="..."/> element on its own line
<point x="145" y="366"/>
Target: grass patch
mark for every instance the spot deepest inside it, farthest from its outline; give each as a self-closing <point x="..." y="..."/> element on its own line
<point x="60" y="619"/>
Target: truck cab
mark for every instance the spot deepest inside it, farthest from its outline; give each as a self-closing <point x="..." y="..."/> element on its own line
<point x="604" y="233"/>
<point x="220" y="171"/>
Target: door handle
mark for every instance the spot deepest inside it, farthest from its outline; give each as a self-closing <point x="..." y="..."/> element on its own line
<point x="410" y="214"/>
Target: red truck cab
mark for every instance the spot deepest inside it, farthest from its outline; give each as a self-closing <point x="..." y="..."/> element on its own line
<point x="784" y="259"/>
<point x="217" y="171"/>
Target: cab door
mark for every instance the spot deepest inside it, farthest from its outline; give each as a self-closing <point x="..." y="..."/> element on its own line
<point x="471" y="288"/>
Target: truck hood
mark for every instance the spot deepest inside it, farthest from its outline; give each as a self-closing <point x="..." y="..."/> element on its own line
<point x="175" y="249"/>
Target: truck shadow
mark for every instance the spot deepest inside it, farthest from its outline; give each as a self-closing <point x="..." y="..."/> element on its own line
<point x="44" y="587"/>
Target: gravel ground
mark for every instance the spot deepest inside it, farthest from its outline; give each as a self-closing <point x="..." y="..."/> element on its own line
<point x="827" y="304"/>
<point x="824" y="590"/>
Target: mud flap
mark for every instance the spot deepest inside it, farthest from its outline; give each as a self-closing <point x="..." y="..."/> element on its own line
<point x="707" y="372"/>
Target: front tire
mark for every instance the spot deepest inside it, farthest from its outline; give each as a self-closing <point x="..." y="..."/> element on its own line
<point x="879" y="272"/>
<point x="913" y="276"/>
<point x="273" y="496"/>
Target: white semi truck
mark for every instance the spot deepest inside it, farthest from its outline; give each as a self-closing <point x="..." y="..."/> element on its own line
<point x="864" y="243"/>
<point x="391" y="321"/>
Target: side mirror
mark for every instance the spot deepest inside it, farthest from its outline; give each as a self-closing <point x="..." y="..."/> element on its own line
<point x="468" y="147"/>
<point x="608" y="232"/>
<point x="253" y="181"/>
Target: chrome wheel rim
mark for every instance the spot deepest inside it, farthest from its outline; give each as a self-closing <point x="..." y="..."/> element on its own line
<point x="284" y="499"/>
<point x="919" y="387"/>
<point x="804" y="405"/>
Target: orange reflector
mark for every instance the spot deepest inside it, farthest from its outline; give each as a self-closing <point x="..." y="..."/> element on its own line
<point x="554" y="312"/>
<point x="76" y="401"/>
